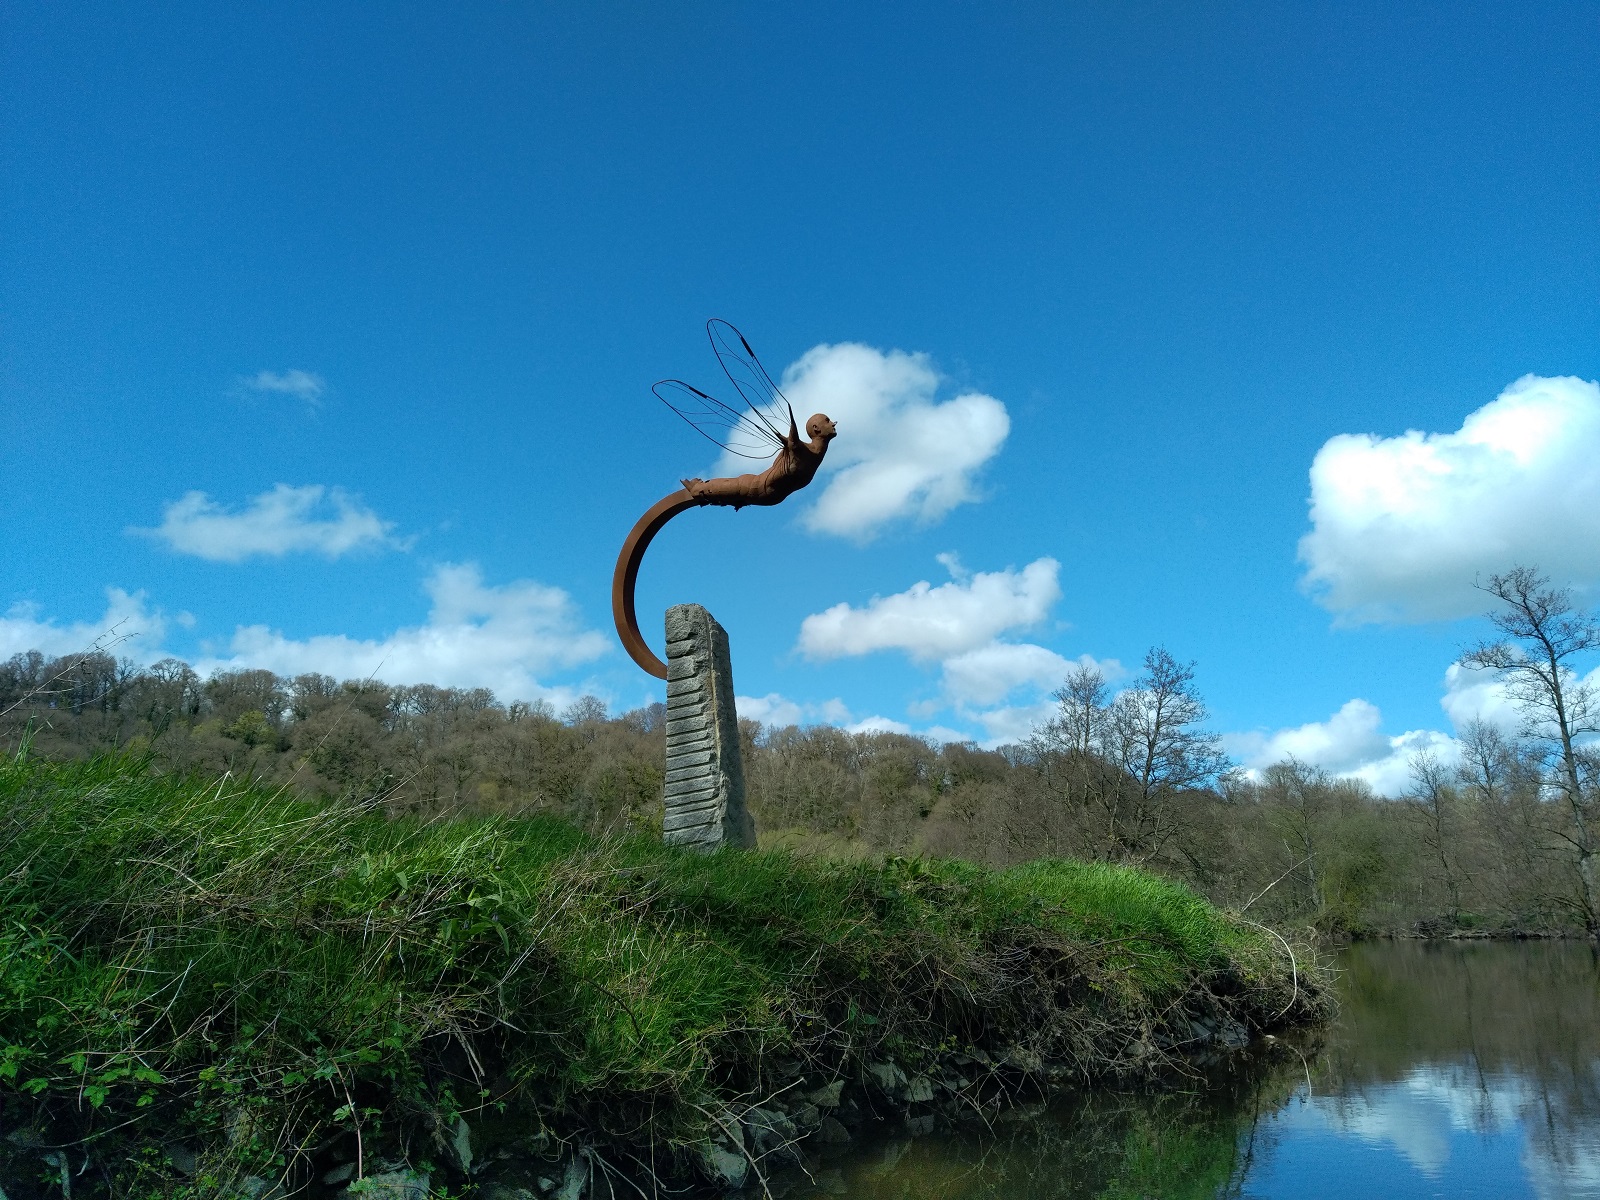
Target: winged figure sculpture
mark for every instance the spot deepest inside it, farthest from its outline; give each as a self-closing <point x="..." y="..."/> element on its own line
<point x="763" y="428"/>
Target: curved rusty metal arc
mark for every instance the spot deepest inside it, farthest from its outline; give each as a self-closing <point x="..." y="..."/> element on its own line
<point x="627" y="574"/>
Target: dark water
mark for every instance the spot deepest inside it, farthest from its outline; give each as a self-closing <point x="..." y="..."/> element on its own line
<point x="1452" y="1070"/>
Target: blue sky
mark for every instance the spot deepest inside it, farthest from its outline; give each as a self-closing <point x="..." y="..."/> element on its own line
<point x="1158" y="257"/>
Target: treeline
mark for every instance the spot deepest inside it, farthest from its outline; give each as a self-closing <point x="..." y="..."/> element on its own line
<point x="418" y="748"/>
<point x="1500" y="842"/>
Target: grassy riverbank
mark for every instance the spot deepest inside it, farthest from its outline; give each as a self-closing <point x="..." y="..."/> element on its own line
<point x="205" y="981"/>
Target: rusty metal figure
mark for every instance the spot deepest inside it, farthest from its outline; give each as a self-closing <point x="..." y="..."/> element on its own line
<point x="795" y="466"/>
<point x="756" y="431"/>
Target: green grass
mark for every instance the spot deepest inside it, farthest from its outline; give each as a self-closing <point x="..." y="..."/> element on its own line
<point x="258" y="974"/>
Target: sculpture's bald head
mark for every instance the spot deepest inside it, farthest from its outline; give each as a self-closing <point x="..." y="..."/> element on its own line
<point x="819" y="426"/>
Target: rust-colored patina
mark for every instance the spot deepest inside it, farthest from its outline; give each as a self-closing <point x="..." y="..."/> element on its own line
<point x="794" y="467"/>
<point x="756" y="431"/>
<point x="627" y="574"/>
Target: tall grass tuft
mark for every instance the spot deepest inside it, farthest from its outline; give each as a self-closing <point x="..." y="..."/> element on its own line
<point x="257" y="975"/>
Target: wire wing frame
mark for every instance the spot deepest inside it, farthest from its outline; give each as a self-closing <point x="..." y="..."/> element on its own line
<point x="751" y="432"/>
<point x="741" y="433"/>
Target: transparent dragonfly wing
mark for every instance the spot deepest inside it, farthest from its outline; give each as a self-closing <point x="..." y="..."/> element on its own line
<point x="749" y="377"/>
<point x="744" y="432"/>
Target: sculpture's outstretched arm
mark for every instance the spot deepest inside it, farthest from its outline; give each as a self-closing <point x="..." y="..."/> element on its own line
<point x="627" y="574"/>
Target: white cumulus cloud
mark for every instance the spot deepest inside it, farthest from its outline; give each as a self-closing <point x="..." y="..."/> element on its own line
<point x="476" y="635"/>
<point x="1350" y="744"/>
<point x="1402" y="526"/>
<point x="285" y="520"/>
<point x="990" y="673"/>
<point x="1481" y="695"/>
<point x="936" y="623"/>
<point x="1349" y="738"/>
<point x="900" y="453"/>
<point x="877" y="724"/>
<point x="779" y="711"/>
<point x="302" y="385"/>
<point x="1001" y="686"/>
<point x="128" y="628"/>
<point x="1471" y="695"/>
<point x="1013" y="723"/>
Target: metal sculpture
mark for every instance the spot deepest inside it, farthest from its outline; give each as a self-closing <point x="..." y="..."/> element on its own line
<point x="755" y="431"/>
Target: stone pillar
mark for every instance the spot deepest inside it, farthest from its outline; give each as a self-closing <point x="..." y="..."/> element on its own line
<point x="705" y="775"/>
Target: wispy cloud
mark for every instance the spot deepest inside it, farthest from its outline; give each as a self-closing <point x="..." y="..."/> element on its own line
<point x="302" y="385"/>
<point x="1401" y="526"/>
<point x="285" y="520"/>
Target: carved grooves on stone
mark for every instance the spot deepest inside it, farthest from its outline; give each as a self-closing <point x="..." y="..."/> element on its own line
<point x="705" y="777"/>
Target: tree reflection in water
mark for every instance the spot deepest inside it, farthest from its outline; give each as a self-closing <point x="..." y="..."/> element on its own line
<point x="1456" y="1069"/>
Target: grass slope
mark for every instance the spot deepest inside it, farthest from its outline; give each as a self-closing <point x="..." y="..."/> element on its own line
<point x="261" y="976"/>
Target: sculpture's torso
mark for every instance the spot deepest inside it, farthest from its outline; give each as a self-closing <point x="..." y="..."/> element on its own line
<point x="795" y="466"/>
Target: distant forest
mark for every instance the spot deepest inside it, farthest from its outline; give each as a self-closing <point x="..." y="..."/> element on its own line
<point x="1502" y="842"/>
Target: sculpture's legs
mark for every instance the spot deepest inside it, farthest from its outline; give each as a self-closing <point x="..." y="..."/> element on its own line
<point x="742" y="488"/>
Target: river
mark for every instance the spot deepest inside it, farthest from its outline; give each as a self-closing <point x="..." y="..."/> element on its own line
<point x="1453" y="1069"/>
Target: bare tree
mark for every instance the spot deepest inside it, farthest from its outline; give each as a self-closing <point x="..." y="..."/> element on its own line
<point x="1067" y="771"/>
<point x="585" y="710"/>
<point x="1502" y="788"/>
<point x="63" y="678"/>
<point x="1542" y="633"/>
<point x="1154" y="736"/>
<point x="1081" y="708"/>
<point x="1434" y="801"/>
<point x="1125" y="766"/>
